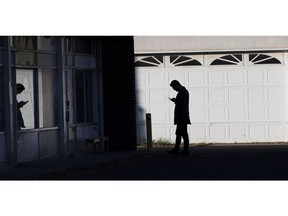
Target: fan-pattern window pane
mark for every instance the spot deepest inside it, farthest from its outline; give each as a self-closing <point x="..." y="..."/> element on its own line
<point x="263" y="59"/>
<point x="179" y="60"/>
<point x="150" y="61"/>
<point x="228" y="60"/>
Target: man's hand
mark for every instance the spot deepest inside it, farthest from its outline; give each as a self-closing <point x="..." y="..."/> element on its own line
<point x="173" y="99"/>
<point x="22" y="103"/>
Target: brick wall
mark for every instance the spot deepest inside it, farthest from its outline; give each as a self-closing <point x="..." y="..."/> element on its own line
<point x="119" y="91"/>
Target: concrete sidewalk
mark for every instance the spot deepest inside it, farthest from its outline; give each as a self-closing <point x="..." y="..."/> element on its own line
<point x="38" y="169"/>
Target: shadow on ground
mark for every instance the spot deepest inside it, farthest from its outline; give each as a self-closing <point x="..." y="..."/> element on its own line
<point x="246" y="162"/>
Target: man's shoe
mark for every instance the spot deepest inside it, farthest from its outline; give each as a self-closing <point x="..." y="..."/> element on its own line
<point x="173" y="151"/>
<point x="185" y="152"/>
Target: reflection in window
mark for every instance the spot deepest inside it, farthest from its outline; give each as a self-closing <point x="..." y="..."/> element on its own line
<point x="1" y="101"/>
<point x="47" y="98"/>
<point x="25" y="42"/>
<point x="25" y="58"/>
<point x="25" y="99"/>
<point x="84" y="96"/>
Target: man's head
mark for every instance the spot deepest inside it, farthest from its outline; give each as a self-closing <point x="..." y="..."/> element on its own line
<point x="176" y="85"/>
<point x="20" y="88"/>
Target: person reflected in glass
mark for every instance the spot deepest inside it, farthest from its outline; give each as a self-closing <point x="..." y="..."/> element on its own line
<point x="20" y="121"/>
<point x="181" y="117"/>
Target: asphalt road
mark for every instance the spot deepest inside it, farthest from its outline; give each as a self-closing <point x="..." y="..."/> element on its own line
<point x="256" y="162"/>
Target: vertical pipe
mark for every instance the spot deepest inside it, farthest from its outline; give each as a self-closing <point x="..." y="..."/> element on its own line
<point x="62" y="96"/>
<point x="149" y="131"/>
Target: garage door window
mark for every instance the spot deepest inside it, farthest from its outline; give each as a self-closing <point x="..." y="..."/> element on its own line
<point x="228" y="60"/>
<point x="263" y="59"/>
<point x="178" y="60"/>
<point x="150" y="61"/>
<point x="236" y="59"/>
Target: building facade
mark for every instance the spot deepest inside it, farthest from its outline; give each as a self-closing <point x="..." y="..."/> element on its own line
<point x="70" y="85"/>
<point x="238" y="86"/>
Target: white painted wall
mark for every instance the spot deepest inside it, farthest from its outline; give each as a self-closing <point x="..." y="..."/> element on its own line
<point x="154" y="44"/>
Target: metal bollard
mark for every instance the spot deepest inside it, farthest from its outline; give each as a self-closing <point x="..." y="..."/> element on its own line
<point x="149" y="131"/>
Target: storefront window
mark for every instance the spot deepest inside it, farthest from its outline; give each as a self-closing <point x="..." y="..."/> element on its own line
<point x="25" y="45"/>
<point x="84" y="96"/>
<point x="68" y="44"/>
<point x="47" y="43"/>
<point x="48" y="92"/>
<point x="26" y="58"/>
<point x="25" y="99"/>
<point x="25" y="42"/>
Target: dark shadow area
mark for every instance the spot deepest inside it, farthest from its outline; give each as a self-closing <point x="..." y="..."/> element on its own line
<point x="246" y="162"/>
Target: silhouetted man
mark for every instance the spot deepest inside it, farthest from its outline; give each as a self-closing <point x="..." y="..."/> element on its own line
<point x="20" y="121"/>
<point x="181" y="117"/>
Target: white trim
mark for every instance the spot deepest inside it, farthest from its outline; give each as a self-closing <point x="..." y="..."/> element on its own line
<point x="211" y="51"/>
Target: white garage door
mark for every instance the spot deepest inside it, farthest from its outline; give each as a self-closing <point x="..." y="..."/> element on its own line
<point x="233" y="97"/>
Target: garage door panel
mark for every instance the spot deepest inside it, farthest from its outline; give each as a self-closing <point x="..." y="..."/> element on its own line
<point x="256" y="77"/>
<point x="216" y="77"/>
<point x="277" y="132"/>
<point x="217" y="114"/>
<point x="237" y="114"/>
<point x="157" y="79"/>
<point x="277" y="113"/>
<point x="216" y="96"/>
<point x="257" y="132"/>
<point x="197" y="96"/>
<point x="256" y="95"/>
<point x="141" y="80"/>
<point x="236" y="77"/>
<point x="246" y="102"/>
<point x="237" y="95"/>
<point x="196" y="78"/>
<point x="218" y="133"/>
<point x="198" y="133"/>
<point x="160" y="115"/>
<point x="160" y="132"/>
<point x="179" y="75"/>
<point x="257" y="113"/>
<point x="172" y="136"/>
<point x="276" y="76"/>
<point x="277" y="94"/>
<point x="237" y="132"/>
<point x="141" y="96"/>
<point x="157" y="97"/>
<point x="198" y="114"/>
